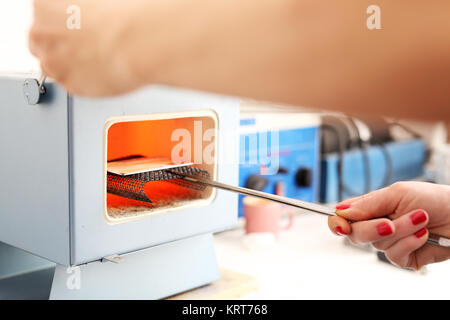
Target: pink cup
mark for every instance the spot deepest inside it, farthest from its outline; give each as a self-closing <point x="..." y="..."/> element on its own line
<point x="265" y="216"/>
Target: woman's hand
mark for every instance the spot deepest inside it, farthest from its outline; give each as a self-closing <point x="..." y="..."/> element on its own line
<point x="86" y="55"/>
<point x="397" y="220"/>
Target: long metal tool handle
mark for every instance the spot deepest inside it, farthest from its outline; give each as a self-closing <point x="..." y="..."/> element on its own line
<point x="324" y="210"/>
<point x="263" y="195"/>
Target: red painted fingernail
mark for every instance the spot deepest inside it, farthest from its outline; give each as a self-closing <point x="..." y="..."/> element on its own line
<point x="340" y="231"/>
<point x="418" y="217"/>
<point x="343" y="206"/>
<point x="384" y="229"/>
<point x="421" y="233"/>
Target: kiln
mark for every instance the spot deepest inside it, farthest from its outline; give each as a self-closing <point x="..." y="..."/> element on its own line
<point x="54" y="201"/>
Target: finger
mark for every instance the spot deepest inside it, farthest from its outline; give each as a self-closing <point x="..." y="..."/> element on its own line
<point x="431" y="254"/>
<point x="41" y="43"/>
<point x="48" y="72"/>
<point x="339" y="226"/>
<point x="372" y="230"/>
<point x="33" y="43"/>
<point x="55" y="65"/>
<point x="405" y="226"/>
<point x="401" y="252"/>
<point x="344" y="204"/>
<point x="375" y="204"/>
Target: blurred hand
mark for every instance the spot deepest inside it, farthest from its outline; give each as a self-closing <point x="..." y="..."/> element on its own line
<point x="89" y="60"/>
<point x="397" y="220"/>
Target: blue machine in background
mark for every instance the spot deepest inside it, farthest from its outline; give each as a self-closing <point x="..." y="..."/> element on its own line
<point x="280" y="154"/>
<point x="284" y="154"/>
<point x="396" y="161"/>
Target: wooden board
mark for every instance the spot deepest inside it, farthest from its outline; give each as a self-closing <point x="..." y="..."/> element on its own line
<point x="231" y="285"/>
<point x="140" y="165"/>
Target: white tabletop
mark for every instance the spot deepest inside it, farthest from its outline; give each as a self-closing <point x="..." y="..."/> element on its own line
<point x="308" y="262"/>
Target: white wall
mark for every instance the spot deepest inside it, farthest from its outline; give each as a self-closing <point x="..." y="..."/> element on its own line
<point x="15" y="20"/>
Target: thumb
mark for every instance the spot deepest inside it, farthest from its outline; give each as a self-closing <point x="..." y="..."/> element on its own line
<point x="375" y="204"/>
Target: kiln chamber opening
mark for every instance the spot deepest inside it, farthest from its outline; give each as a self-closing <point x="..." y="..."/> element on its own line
<point x="139" y="149"/>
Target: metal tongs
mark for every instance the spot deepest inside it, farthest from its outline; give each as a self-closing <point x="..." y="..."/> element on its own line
<point x="308" y="206"/>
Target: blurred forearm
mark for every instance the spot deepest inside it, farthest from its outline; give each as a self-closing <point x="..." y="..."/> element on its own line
<point x="303" y="52"/>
